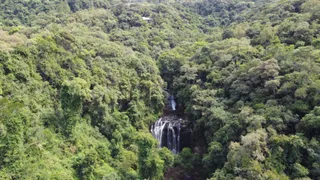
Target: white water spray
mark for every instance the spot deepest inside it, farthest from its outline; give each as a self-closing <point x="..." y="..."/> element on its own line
<point x="170" y="127"/>
<point x="173" y="103"/>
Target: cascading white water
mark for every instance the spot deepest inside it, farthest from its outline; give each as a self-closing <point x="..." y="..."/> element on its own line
<point x="172" y="103"/>
<point x="157" y="130"/>
<point x="170" y="127"/>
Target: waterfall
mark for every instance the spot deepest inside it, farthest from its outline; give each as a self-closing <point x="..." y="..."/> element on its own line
<point x="157" y="130"/>
<point x="172" y="103"/>
<point x="167" y="131"/>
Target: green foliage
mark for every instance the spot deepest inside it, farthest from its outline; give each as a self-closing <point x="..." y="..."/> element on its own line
<point x="14" y="30"/>
<point x="310" y="123"/>
<point x="256" y="77"/>
<point x="72" y="95"/>
<point x="82" y="80"/>
<point x="167" y="156"/>
<point x="151" y="166"/>
<point x="187" y="160"/>
<point x="79" y="101"/>
<point x="12" y="130"/>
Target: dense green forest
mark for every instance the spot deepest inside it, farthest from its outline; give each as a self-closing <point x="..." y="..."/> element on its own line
<point x="81" y="81"/>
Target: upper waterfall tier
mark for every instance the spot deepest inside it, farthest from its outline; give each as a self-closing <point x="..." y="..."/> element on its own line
<point x="172" y="103"/>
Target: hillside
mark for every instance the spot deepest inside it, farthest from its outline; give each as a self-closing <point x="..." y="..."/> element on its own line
<point x="82" y="82"/>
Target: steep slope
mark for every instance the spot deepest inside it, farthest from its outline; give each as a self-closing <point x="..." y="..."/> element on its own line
<point x="82" y="81"/>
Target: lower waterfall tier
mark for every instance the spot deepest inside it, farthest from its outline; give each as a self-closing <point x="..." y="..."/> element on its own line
<point x="168" y="130"/>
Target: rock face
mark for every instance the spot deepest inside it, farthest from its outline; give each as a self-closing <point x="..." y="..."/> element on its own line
<point x="172" y="129"/>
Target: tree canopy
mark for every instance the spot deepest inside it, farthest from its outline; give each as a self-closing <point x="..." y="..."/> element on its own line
<point x="81" y="81"/>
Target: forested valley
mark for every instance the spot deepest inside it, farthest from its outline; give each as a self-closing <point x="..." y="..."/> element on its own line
<point x="82" y="83"/>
